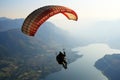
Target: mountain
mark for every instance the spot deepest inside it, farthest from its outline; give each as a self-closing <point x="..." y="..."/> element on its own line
<point x="54" y="35"/>
<point x="49" y="36"/>
<point x="47" y="32"/>
<point x="7" y="24"/>
<point x="25" y="57"/>
<point x="110" y="66"/>
<point x="14" y="41"/>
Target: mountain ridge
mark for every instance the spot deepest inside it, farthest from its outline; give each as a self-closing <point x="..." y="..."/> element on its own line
<point x="109" y="66"/>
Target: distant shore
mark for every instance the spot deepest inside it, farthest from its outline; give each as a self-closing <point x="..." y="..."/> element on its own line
<point x="109" y="65"/>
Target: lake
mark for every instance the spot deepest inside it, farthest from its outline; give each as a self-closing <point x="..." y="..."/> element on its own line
<point x="83" y="68"/>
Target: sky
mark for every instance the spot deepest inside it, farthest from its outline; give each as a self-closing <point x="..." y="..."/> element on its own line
<point x="101" y="9"/>
<point x="89" y="11"/>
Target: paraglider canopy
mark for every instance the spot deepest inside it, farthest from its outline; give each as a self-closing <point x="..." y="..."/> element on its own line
<point x="39" y="16"/>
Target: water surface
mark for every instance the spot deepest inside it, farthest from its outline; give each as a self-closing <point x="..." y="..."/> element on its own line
<point x="83" y="68"/>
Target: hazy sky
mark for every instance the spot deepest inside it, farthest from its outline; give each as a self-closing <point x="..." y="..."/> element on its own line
<point x="102" y="9"/>
<point x="87" y="10"/>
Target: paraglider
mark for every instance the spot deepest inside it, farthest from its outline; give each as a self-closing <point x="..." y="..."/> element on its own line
<point x="39" y="16"/>
<point x="61" y="59"/>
